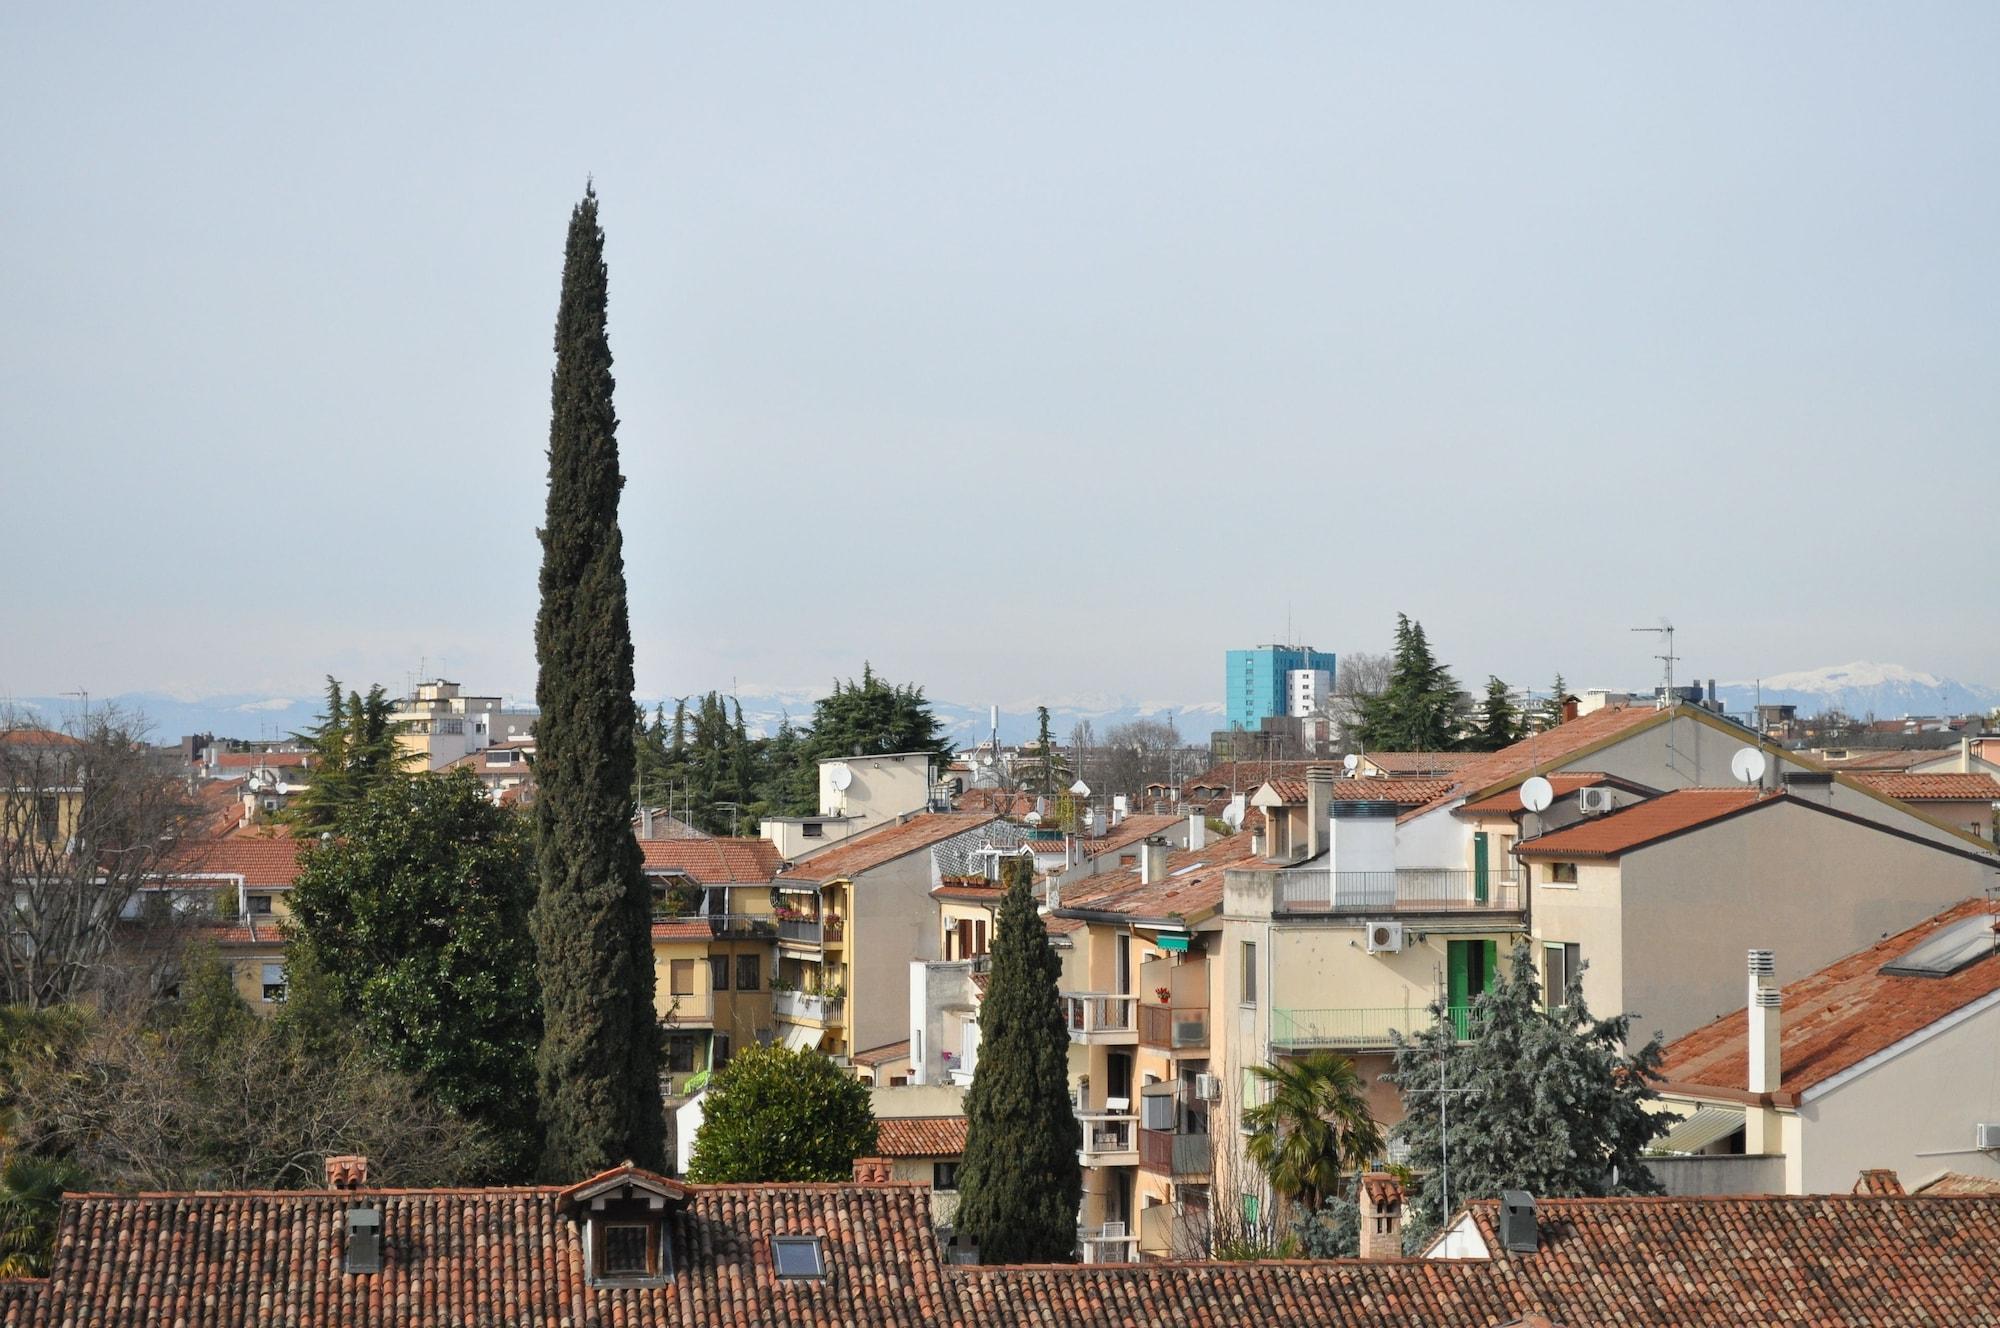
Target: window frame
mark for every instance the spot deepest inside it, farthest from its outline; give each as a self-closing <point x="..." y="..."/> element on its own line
<point x="796" y="1242"/>
<point x="1247" y="994"/>
<point x="718" y="972"/>
<point x="753" y="964"/>
<point x="648" y="1249"/>
<point x="944" y="1175"/>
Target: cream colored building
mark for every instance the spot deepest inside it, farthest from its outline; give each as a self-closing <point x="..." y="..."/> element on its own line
<point x="858" y="794"/>
<point x="438" y="724"/>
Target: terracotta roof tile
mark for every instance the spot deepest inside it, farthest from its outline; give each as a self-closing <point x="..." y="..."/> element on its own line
<point x="958" y="892"/>
<point x="1940" y="787"/>
<point x="1509" y="799"/>
<point x="885" y="1054"/>
<point x="872" y="848"/>
<point x="1192" y="884"/>
<point x="1839" y="1016"/>
<point x="1402" y="792"/>
<point x="1130" y="831"/>
<point x="1553" y="745"/>
<point x="920" y="1136"/>
<point x="714" y="861"/>
<point x="260" y="859"/>
<point x="1645" y="822"/>
<point x="1958" y="1183"/>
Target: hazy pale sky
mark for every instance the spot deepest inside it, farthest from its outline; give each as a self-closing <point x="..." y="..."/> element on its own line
<point x="1024" y="353"/>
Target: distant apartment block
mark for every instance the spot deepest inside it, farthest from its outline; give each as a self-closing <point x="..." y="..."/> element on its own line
<point x="1275" y="681"/>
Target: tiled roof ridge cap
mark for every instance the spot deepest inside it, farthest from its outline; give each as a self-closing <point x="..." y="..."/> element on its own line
<point x="482" y="1191"/>
<point x="1226" y="1265"/>
<point x="1710" y="1200"/>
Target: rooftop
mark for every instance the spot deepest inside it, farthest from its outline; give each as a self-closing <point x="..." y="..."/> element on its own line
<point x="1190" y="887"/>
<point x="1508" y="800"/>
<point x="1645" y="823"/>
<point x="714" y="861"/>
<point x="872" y="848"/>
<point x="920" y="1136"/>
<point x="260" y="859"/>
<point x="1940" y="787"/>
<point x="1130" y="831"/>
<point x="1403" y="792"/>
<point x="1839" y="1016"/>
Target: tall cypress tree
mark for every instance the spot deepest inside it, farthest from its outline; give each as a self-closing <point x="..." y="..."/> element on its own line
<point x="1020" y="1182"/>
<point x="599" y="1064"/>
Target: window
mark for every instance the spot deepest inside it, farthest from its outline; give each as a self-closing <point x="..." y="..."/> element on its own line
<point x="979" y="938"/>
<point x="680" y="977"/>
<point x="1562" y="873"/>
<point x="627" y="1250"/>
<point x="1253" y="1208"/>
<point x="680" y="1053"/>
<point x="944" y="1175"/>
<point x="715" y="903"/>
<point x="1561" y="964"/>
<point x="260" y="905"/>
<point x="274" y="983"/>
<point x="812" y="830"/>
<point x="719" y="1052"/>
<point x="1158" y="1110"/>
<point x="718" y="972"/>
<point x="747" y="972"/>
<point x="48" y="817"/>
<point x="1249" y="972"/>
<point x="796" y="1256"/>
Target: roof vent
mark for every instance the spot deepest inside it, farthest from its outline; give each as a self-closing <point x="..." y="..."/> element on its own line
<point x="364" y="1240"/>
<point x="1517" y="1222"/>
<point x="1763" y="962"/>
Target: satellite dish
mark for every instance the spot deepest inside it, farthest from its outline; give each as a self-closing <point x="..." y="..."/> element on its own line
<point x="1350" y="763"/>
<point x="840" y="777"/>
<point x="1080" y="789"/>
<point x="1537" y="794"/>
<point x="986" y="760"/>
<point x="1033" y="818"/>
<point x="1232" y="815"/>
<point x="1748" y="766"/>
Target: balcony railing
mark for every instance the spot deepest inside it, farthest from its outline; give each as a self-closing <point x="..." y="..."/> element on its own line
<point x="798" y="929"/>
<point x="1358" y="1028"/>
<point x="1173" y="1027"/>
<point x="1100" y="1016"/>
<point x="1109" y="1139"/>
<point x="1174" y="1154"/>
<point x="1407" y="889"/>
<point x="756" y="926"/>
<point x="800" y="1005"/>
<point x="1108" y="1243"/>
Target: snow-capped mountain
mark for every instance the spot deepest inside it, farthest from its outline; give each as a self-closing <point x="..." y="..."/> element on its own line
<point x="1862" y="689"/>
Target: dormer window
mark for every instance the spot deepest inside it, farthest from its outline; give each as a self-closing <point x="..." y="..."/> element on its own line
<point x="631" y="1249"/>
<point x="797" y="1256"/>
<point x="627" y="1234"/>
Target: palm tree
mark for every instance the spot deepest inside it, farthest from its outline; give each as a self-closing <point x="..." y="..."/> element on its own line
<point x="1312" y="1126"/>
<point x="31" y="1190"/>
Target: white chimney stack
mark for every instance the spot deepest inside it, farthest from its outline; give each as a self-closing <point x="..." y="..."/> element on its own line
<point x="1197" y="831"/>
<point x="1152" y="862"/>
<point x="1766" y="1068"/>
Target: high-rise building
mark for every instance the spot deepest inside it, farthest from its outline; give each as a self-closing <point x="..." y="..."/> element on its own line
<point x="1274" y="680"/>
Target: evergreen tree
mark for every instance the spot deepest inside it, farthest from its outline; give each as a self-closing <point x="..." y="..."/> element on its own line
<point x="1550" y="712"/>
<point x="1557" y="1105"/>
<point x="1499" y="720"/>
<point x="598" y="1067"/>
<point x="775" y="1114"/>
<point x="416" y="913"/>
<point x="354" y="752"/>
<point x="1045" y="754"/>
<point x="866" y="718"/>
<point x="1420" y="710"/>
<point x="1020" y="1181"/>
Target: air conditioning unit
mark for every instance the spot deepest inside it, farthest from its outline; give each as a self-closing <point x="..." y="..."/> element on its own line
<point x="1986" y="1135"/>
<point x="1208" y="1088"/>
<point x="1594" y="801"/>
<point x="1385" y="938"/>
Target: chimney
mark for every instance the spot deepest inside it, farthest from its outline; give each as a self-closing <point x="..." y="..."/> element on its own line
<point x="347" y="1171"/>
<point x="1879" y="1181"/>
<point x="1568" y="708"/>
<point x="1361" y="837"/>
<point x="1810" y="786"/>
<point x="1319" y="797"/>
<point x="1152" y="861"/>
<point x="873" y="1170"/>
<point x="1256" y="843"/>
<point x="1766" y="1069"/>
<point x="364" y="1240"/>
<point x="1197" y="830"/>
<point x="1381" y="1216"/>
<point x="645" y="823"/>
<point x="1518" y="1234"/>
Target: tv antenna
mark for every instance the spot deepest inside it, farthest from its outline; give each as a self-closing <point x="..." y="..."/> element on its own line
<point x="1666" y="632"/>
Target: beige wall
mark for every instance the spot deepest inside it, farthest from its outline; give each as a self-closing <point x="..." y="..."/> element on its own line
<point x="880" y="788"/>
<point x="1590" y="916"/>
<point x="891" y="920"/>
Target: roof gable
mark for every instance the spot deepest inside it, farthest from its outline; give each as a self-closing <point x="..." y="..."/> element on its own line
<point x="1646" y="822"/>
<point x="873" y="848"/>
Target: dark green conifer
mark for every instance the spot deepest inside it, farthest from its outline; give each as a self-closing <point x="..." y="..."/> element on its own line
<point x="1020" y="1181"/>
<point x="598" y="1066"/>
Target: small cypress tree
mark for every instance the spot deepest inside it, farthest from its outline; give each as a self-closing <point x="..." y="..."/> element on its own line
<point x="598" y="1066"/>
<point x="1499" y="720"/>
<point x="1020" y="1182"/>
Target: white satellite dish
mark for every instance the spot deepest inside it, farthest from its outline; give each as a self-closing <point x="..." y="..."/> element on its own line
<point x="986" y="760"/>
<point x="1537" y="793"/>
<point x="1350" y="763"/>
<point x="1232" y="815"/>
<point x="840" y="777"/>
<point x="1033" y="818"/>
<point x="1748" y="766"/>
<point x="1080" y="789"/>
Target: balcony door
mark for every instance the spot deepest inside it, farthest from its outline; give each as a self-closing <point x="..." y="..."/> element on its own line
<point x="1471" y="967"/>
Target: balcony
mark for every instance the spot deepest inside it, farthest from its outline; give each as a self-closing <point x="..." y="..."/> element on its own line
<point x="1109" y="1139"/>
<point x="1173" y="1028"/>
<point x="798" y="931"/>
<point x="804" y="1007"/>
<point x="1405" y="890"/>
<point x="734" y="926"/>
<point x="1295" y="1029"/>
<point x="1107" y="1243"/>
<point x="1174" y="1154"/>
<point x="1101" y="1018"/>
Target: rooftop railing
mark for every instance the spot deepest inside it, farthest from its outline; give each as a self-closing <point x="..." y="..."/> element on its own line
<point x="1406" y="889"/>
<point x="1296" y="1028"/>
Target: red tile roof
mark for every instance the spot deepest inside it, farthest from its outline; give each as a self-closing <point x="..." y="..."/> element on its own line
<point x="1645" y="822"/>
<point x="1892" y="759"/>
<point x="683" y="929"/>
<point x="998" y="801"/>
<point x="959" y="892"/>
<point x="1417" y="764"/>
<point x="919" y="1136"/>
<point x="1565" y="740"/>
<point x="872" y="848"/>
<point x="1191" y="887"/>
<point x="1509" y="799"/>
<point x="1837" y="1017"/>
<point x="1228" y="777"/>
<point x="714" y="861"/>
<point x="260" y="859"/>
<point x="884" y="1054"/>
<point x="1940" y="787"/>
<point x="1380" y="788"/>
<point x="1130" y="831"/>
<point x="1958" y="1183"/>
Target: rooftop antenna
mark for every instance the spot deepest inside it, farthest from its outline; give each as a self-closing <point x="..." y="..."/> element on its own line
<point x="1446" y="1039"/>
<point x="1666" y="631"/>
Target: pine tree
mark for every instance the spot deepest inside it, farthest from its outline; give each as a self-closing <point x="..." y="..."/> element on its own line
<point x="1020" y="1182"/>
<point x="1556" y="1107"/>
<point x="598" y="1067"/>
<point x="1550" y="712"/>
<point x="1499" y="721"/>
<point x="354" y="752"/>
<point x="1420" y="710"/>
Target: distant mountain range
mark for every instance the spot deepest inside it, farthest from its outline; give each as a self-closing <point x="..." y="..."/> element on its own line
<point x="1862" y="689"/>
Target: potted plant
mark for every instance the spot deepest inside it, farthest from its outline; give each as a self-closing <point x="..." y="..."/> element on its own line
<point x="782" y="984"/>
<point x="1164" y="993"/>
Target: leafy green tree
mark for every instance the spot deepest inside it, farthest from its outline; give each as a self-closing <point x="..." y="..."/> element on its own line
<point x="598" y="1066"/>
<point x="354" y="752"/>
<point x="1499" y="721"/>
<point x="866" y="718"/>
<point x="1020" y="1182"/>
<point x="1420" y="710"/>
<point x="1310" y="1127"/>
<point x="1550" y="1100"/>
<point x="416" y="911"/>
<point x="776" y="1114"/>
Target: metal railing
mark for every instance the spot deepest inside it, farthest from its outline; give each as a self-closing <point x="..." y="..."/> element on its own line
<point x="1175" y="1154"/>
<point x="1093" y="1012"/>
<point x="754" y="925"/>
<point x="1105" y="1134"/>
<point x="1173" y="1026"/>
<point x="1410" y="889"/>
<point x="1359" y="1027"/>
<point x="806" y="1005"/>
<point x="798" y="929"/>
<point x="1108" y="1243"/>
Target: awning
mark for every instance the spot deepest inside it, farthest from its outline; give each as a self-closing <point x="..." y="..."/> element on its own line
<point x="1708" y="1125"/>
<point x="798" y="1037"/>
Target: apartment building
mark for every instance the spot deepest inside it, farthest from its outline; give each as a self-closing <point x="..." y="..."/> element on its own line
<point x="438" y="724"/>
<point x="858" y="794"/>
<point x="236" y="893"/>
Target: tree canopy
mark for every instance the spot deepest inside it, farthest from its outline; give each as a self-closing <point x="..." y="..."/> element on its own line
<point x="1499" y="720"/>
<point x="354" y="752"/>
<point x="1547" y="1101"/>
<point x="777" y="1114"/>
<point x="1420" y="709"/>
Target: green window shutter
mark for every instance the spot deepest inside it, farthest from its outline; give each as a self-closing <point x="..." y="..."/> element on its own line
<point x="1479" y="866"/>
<point x="1491" y="956"/>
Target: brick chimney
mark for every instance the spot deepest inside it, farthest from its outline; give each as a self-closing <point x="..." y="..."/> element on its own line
<point x="1879" y="1181"/>
<point x="873" y="1171"/>
<point x="1319" y="799"/>
<point x="1381" y="1216"/>
<point x="347" y="1171"/>
<point x="1569" y="707"/>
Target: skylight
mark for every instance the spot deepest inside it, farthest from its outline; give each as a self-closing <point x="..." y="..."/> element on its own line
<point x="1948" y="949"/>
<point x="796" y="1256"/>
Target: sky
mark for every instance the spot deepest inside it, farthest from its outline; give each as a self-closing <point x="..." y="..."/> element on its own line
<point x="1023" y="354"/>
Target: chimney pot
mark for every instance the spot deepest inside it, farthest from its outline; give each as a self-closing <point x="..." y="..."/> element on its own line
<point x="1381" y="1216"/>
<point x="1197" y="832"/>
<point x="347" y="1171"/>
<point x="873" y="1170"/>
<point x="1766" y="1068"/>
<point x="1518" y="1233"/>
